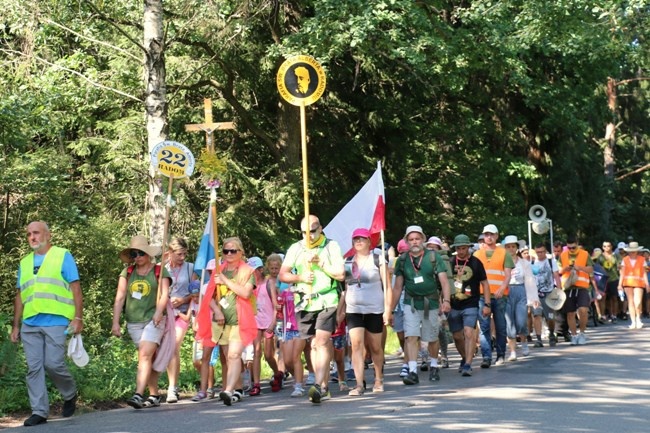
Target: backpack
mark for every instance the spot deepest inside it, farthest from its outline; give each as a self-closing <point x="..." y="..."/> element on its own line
<point x="156" y="271"/>
<point x="432" y="257"/>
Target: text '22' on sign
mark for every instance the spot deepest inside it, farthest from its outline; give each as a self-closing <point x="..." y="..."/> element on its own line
<point x="172" y="159"/>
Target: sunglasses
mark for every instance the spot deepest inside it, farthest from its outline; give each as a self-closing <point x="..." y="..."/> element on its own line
<point x="312" y="231"/>
<point x="573" y="247"/>
<point x="136" y="253"/>
<point x="227" y="251"/>
<point x="358" y="239"/>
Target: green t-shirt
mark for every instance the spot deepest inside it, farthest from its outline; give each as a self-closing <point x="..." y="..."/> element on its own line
<point x="428" y="279"/>
<point x="610" y="264"/>
<point x="141" y="291"/>
<point x="323" y="286"/>
<point x="229" y="298"/>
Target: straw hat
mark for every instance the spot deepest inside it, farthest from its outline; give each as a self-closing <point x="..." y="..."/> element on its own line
<point x="633" y="247"/>
<point x="139" y="243"/>
<point x="555" y="299"/>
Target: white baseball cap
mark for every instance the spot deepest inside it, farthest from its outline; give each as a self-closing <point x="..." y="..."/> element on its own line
<point x="490" y="228"/>
<point x="77" y="352"/>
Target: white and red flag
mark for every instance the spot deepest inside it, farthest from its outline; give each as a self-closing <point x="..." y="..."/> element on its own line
<point x="365" y="210"/>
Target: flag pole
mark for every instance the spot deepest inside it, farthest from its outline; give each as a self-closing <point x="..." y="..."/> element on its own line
<point x="305" y="176"/>
<point x="215" y="238"/>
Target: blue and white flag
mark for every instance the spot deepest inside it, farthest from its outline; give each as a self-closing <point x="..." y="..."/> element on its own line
<point x="206" y="249"/>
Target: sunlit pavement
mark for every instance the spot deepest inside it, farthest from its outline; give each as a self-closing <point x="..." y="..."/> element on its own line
<point x="603" y="386"/>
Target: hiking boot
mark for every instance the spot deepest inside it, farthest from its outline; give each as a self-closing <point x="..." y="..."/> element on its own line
<point x="34" y="420"/>
<point x="486" y="363"/>
<point x="434" y="374"/>
<point x="69" y="407"/>
<point x="411" y="379"/>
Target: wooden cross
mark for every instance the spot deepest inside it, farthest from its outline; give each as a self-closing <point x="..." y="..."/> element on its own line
<point x="209" y="126"/>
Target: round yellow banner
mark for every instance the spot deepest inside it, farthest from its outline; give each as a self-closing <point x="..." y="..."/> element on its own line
<point x="172" y="159"/>
<point x="301" y="80"/>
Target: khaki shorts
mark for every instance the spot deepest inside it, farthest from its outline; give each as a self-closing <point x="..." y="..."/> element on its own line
<point x="146" y="331"/>
<point x="224" y="334"/>
<point x="416" y="326"/>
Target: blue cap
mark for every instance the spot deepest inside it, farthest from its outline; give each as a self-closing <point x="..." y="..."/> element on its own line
<point x="194" y="287"/>
<point x="255" y="262"/>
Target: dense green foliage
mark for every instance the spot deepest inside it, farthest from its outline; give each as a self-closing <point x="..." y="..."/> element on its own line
<point x="477" y="110"/>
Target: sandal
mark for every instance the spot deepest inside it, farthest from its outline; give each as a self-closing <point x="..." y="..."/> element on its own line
<point x="379" y="386"/>
<point x="255" y="390"/>
<point x="201" y="395"/>
<point x="343" y="386"/>
<point x="152" y="401"/>
<point x="356" y="391"/>
<point x="136" y="401"/>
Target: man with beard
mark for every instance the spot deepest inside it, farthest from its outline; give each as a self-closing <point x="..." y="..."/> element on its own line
<point x="422" y="273"/>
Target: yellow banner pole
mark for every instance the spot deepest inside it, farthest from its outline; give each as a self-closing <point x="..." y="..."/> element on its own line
<point x="305" y="176"/>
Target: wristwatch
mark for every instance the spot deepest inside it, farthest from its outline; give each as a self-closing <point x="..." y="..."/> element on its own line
<point x="488" y="305"/>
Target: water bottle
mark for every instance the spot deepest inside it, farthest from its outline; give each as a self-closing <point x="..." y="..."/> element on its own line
<point x="621" y="295"/>
<point x="279" y="314"/>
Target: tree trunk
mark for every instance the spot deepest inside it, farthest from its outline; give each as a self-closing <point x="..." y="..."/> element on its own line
<point x="155" y="107"/>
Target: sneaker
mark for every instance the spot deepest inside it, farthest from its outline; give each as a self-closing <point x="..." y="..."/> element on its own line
<point x="525" y="350"/>
<point x="136" y="402"/>
<point x="462" y="364"/>
<point x="444" y="363"/>
<point x="226" y="397"/>
<point x="614" y="319"/>
<point x="538" y="343"/>
<point x="529" y="338"/>
<point x="298" y="391"/>
<point x="411" y="378"/>
<point x="311" y="379"/>
<point x="424" y="366"/>
<point x="315" y="394"/>
<point x="486" y="363"/>
<point x="500" y="360"/>
<point x="334" y="376"/>
<point x="404" y="371"/>
<point x="277" y="381"/>
<point x="574" y="340"/>
<point x="255" y="390"/>
<point x="34" y="420"/>
<point x="349" y="375"/>
<point x="639" y="324"/>
<point x="513" y="356"/>
<point x="467" y="370"/>
<point x="567" y="337"/>
<point x="69" y="407"/>
<point x="172" y="395"/>
<point x="632" y="325"/>
<point x="434" y="374"/>
<point x="552" y="340"/>
<point x="582" y="339"/>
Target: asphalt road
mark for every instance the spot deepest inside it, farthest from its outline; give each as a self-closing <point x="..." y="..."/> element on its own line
<point x="601" y="387"/>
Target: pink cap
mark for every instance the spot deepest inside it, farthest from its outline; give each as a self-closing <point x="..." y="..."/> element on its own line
<point x="402" y="246"/>
<point x="211" y="265"/>
<point x="361" y="233"/>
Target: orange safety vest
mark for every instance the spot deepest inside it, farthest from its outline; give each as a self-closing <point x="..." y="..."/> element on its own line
<point x="580" y="260"/>
<point x="633" y="276"/>
<point x="494" y="268"/>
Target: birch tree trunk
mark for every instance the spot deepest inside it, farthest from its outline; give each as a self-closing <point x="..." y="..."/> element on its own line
<point x="155" y="107"/>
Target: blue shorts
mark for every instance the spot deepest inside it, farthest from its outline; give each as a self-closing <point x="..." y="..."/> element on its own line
<point x="460" y="319"/>
<point x="398" y="321"/>
<point x="339" y="342"/>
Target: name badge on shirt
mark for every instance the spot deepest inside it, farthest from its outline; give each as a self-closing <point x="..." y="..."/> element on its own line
<point x="458" y="285"/>
<point x="224" y="303"/>
<point x="136" y="295"/>
<point x="419" y="279"/>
